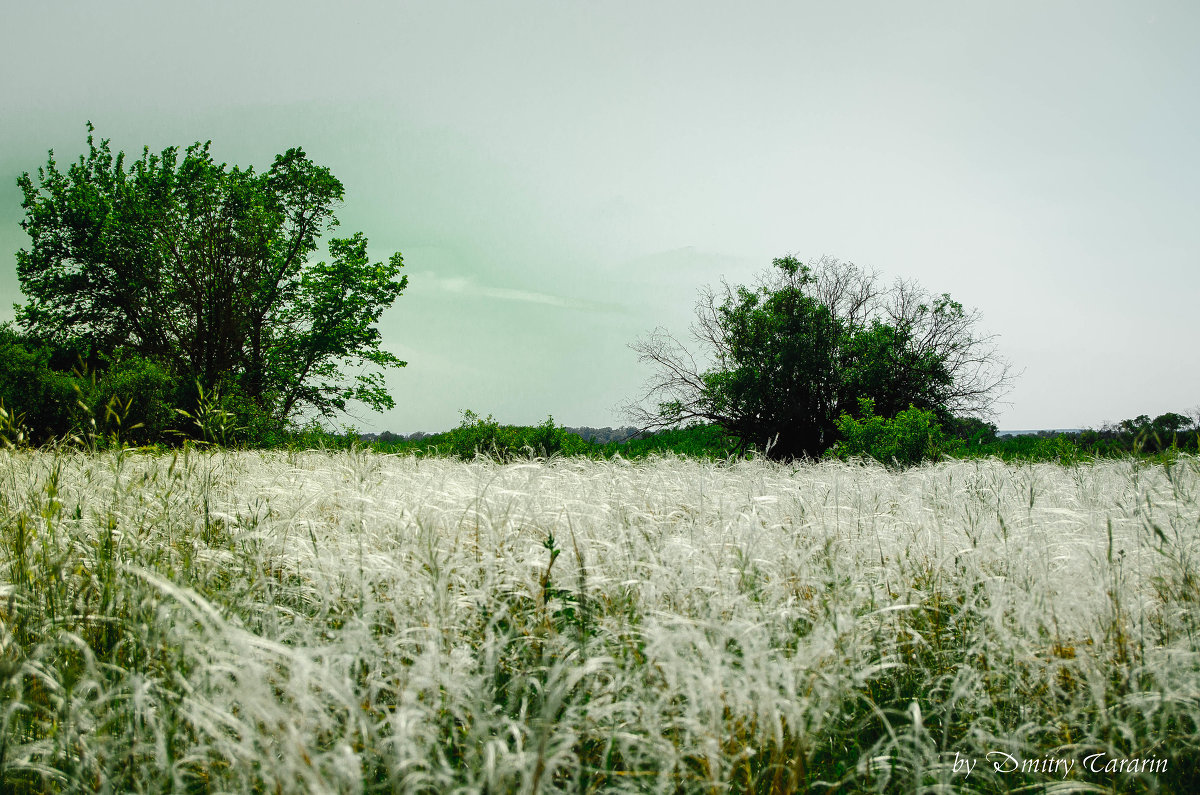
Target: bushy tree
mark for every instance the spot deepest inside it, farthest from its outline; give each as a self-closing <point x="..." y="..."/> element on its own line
<point x="1170" y="423"/>
<point x="205" y="269"/>
<point x="781" y="361"/>
<point x="1167" y="430"/>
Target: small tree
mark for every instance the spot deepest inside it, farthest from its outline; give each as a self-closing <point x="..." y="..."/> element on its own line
<point x="205" y="269"/>
<point x="781" y="361"/>
<point x="1170" y="423"/>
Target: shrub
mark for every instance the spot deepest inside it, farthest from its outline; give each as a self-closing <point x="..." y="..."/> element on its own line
<point x="12" y="429"/>
<point x="210" y="420"/>
<point x="972" y="431"/>
<point x="142" y="392"/>
<point x="476" y="435"/>
<point x="909" y="438"/>
<point x="250" y="424"/>
<point x="697" y="441"/>
<point x="29" y="388"/>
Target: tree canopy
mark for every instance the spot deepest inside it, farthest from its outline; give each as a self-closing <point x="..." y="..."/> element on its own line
<point x="207" y="270"/>
<point x="781" y="361"/>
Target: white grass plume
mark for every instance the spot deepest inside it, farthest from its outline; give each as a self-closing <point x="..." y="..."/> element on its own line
<point x="351" y="622"/>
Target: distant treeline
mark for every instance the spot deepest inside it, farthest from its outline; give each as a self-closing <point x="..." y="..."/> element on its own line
<point x="598" y="435"/>
<point x="959" y="438"/>
<point x="51" y="394"/>
<point x="1140" y="435"/>
<point x="485" y="436"/>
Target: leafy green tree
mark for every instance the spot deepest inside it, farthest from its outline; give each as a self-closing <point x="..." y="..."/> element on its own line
<point x="206" y="270"/>
<point x="1170" y="423"/>
<point x="1138" y="425"/>
<point x="1164" y="431"/>
<point x="780" y="362"/>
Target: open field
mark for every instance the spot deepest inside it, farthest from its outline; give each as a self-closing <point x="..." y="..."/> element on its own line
<point x="349" y="622"/>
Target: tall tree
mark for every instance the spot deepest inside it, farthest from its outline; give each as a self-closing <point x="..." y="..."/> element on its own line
<point x="780" y="361"/>
<point x="207" y="269"/>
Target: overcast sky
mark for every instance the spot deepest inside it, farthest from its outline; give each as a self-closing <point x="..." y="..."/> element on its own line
<point x="563" y="176"/>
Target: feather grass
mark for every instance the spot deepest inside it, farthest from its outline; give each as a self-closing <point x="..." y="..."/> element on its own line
<point x="213" y="621"/>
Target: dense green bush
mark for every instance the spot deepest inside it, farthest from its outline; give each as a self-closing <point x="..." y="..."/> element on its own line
<point x="1063" y="448"/>
<point x="970" y="431"/>
<point x="477" y="435"/>
<point x="697" y="441"/>
<point x="135" y="398"/>
<point x="314" y="436"/>
<point x="909" y="438"/>
<point x="60" y="393"/>
<point x="42" y="398"/>
<point x="228" y="416"/>
<point x="128" y="398"/>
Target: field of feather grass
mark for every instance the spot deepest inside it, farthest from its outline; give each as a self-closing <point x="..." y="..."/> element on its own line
<point x="354" y="622"/>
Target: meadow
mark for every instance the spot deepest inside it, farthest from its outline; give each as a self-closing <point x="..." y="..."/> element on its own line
<point x="284" y="621"/>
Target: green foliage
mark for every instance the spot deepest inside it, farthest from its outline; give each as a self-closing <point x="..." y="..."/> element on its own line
<point x="43" y="397"/>
<point x="485" y="436"/>
<point x="1159" y="439"/>
<point x="911" y="437"/>
<point x="783" y="346"/>
<point x="145" y="392"/>
<point x="884" y="363"/>
<point x="806" y="344"/>
<point x="792" y="362"/>
<point x="970" y="431"/>
<point x="204" y="270"/>
<point x="508" y="442"/>
<point x="1141" y="434"/>
<point x="131" y="398"/>
<point x="695" y="441"/>
<point x="1060" y="448"/>
<point x="210" y="422"/>
<point x="332" y="323"/>
<point x="13" y="432"/>
<point x="248" y="424"/>
<point x="313" y="436"/>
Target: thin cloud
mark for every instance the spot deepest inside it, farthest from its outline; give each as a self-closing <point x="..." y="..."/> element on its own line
<point x="466" y="286"/>
<point x="508" y="294"/>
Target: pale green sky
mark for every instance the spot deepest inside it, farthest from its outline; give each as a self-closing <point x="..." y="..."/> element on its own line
<point x="563" y="176"/>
